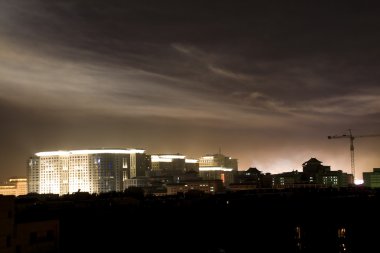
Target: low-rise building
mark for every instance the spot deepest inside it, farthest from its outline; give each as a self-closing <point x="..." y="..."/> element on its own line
<point x="218" y="160"/>
<point x="207" y="186"/>
<point x="14" y="186"/>
<point x="372" y="179"/>
<point x="286" y="179"/>
<point x="136" y="182"/>
<point x="217" y="173"/>
<point x="40" y="236"/>
<point x="242" y="186"/>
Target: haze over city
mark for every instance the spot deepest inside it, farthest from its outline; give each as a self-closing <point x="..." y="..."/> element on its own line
<point x="265" y="81"/>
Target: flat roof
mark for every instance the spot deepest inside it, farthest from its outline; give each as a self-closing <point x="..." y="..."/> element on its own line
<point x="90" y="151"/>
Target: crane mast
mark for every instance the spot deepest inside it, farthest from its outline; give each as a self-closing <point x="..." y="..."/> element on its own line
<point x="352" y="149"/>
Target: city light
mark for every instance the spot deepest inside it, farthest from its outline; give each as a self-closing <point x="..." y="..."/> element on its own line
<point x="90" y="151"/>
<point x="169" y="158"/>
<point x="53" y="153"/>
<point x="107" y="151"/>
<point x="191" y="161"/>
<point x="214" y="169"/>
<point x="156" y="158"/>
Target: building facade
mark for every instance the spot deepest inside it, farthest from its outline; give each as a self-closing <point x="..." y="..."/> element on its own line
<point x="173" y="164"/>
<point x="316" y="173"/>
<point x="372" y="179"/>
<point x="206" y="186"/>
<point x="218" y="166"/>
<point x="93" y="171"/>
<point x="218" y="160"/>
<point x="14" y="186"/>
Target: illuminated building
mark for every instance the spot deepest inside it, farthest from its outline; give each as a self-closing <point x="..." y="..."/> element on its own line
<point x="215" y="173"/>
<point x="173" y="164"/>
<point x="15" y="186"/>
<point x="93" y="171"/>
<point x="218" y="160"/>
<point x="372" y="179"/>
<point x="218" y="166"/>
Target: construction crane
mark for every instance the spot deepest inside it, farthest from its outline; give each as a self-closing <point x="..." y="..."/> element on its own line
<point x="352" y="138"/>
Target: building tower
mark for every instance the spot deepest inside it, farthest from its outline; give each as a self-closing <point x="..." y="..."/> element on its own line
<point x="93" y="171"/>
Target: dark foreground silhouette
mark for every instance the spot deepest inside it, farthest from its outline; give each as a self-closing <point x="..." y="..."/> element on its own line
<point x="298" y="220"/>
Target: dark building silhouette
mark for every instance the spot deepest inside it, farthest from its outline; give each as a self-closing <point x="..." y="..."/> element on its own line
<point x="313" y="175"/>
<point x="316" y="173"/>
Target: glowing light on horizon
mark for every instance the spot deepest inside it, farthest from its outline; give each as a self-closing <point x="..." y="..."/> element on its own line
<point x="359" y="181"/>
<point x="214" y="169"/>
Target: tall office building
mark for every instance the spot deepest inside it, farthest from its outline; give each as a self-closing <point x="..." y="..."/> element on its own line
<point x="94" y="170"/>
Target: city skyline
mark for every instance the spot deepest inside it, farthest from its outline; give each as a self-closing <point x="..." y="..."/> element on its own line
<point x="265" y="81"/>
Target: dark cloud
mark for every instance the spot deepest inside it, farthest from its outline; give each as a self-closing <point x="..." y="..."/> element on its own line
<point x="266" y="80"/>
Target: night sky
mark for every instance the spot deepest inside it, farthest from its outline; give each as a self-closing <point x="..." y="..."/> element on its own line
<point x="265" y="81"/>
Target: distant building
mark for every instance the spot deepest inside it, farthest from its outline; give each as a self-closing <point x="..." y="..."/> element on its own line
<point x="136" y="182"/>
<point x="217" y="173"/>
<point x="286" y="179"/>
<point x="173" y="164"/>
<point x="312" y="169"/>
<point x="336" y="178"/>
<point x="207" y="186"/>
<point x="250" y="176"/>
<point x="316" y="173"/>
<point x="242" y="186"/>
<point x="218" y="166"/>
<point x="372" y="179"/>
<point x="247" y="180"/>
<point x="93" y="171"/>
<point x="218" y="160"/>
<point x="14" y="186"/>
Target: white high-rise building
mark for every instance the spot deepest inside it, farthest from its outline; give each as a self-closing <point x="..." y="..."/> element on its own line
<point x="94" y="170"/>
